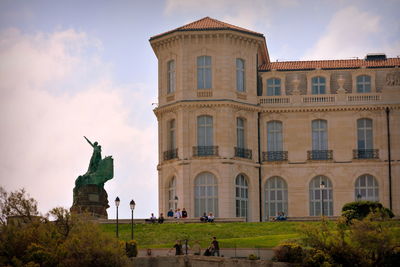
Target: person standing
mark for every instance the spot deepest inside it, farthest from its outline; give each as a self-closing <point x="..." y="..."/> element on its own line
<point x="215" y="246"/>
<point x="178" y="248"/>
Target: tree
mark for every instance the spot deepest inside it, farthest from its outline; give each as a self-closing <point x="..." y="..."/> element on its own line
<point x="17" y="203"/>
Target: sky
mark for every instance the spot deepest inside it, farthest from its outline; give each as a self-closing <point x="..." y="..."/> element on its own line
<point x="70" y="69"/>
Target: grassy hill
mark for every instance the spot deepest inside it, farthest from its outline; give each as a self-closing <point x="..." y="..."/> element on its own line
<point x="246" y="235"/>
<point x="230" y="235"/>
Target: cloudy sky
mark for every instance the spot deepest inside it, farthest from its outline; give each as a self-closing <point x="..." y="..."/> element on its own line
<point x="74" y="68"/>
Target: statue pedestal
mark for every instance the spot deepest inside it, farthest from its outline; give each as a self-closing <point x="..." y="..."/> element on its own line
<point x="91" y="199"/>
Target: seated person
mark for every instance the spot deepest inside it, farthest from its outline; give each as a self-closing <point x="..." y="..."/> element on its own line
<point x="204" y="218"/>
<point x="161" y="218"/>
<point x="153" y="218"/>
<point x="210" y="217"/>
<point x="184" y="213"/>
<point x="170" y="213"/>
<point x="281" y="216"/>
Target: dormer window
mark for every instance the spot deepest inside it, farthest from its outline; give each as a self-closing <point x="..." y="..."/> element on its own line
<point x="364" y="84"/>
<point x="318" y="85"/>
<point x="273" y="87"/>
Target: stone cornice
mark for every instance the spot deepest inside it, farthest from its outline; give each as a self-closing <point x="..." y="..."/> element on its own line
<point x="185" y="104"/>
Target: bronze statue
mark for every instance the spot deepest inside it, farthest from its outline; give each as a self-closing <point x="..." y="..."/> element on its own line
<point x="89" y="193"/>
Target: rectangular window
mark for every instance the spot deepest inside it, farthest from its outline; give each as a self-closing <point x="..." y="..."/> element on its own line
<point x="205" y="131"/>
<point x="171" y="77"/>
<point x="273" y="87"/>
<point x="274" y="138"/>
<point x="204" y="72"/>
<point x="318" y="85"/>
<point x="240" y="133"/>
<point x="240" y="81"/>
<point x="319" y="135"/>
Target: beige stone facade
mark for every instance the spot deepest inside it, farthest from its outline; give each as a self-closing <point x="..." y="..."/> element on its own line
<point x="341" y="109"/>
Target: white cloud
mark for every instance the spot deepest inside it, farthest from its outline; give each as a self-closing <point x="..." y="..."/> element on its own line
<point x="351" y="33"/>
<point x="246" y="14"/>
<point x="42" y="127"/>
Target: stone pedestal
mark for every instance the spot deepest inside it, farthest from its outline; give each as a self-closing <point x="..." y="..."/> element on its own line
<point x="91" y="199"/>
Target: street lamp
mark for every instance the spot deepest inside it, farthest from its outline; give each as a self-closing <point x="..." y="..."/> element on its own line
<point x="359" y="197"/>
<point x="117" y="201"/>
<point x="322" y="187"/>
<point x="132" y="204"/>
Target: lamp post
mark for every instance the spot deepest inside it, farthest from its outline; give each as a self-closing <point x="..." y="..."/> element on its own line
<point x="132" y="204"/>
<point x="117" y="201"/>
<point x="359" y="197"/>
<point x="322" y="187"/>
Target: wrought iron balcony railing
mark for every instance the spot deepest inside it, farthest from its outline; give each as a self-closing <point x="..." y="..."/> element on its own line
<point x="243" y="153"/>
<point x="171" y="154"/>
<point x="204" y="151"/>
<point x="275" y="156"/>
<point x="365" y="153"/>
<point x="320" y="155"/>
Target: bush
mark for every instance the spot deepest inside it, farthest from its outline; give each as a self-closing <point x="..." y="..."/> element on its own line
<point x="253" y="257"/>
<point x="32" y="240"/>
<point x="289" y="252"/>
<point x="131" y="249"/>
<point x="360" y="209"/>
<point x="315" y="258"/>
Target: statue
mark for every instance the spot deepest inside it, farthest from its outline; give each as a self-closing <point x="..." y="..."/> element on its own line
<point x="89" y="193"/>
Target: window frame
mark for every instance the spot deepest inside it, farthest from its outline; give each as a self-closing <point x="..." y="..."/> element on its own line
<point x="271" y="199"/>
<point x="204" y="72"/>
<point x="205" y="194"/>
<point x="240" y="75"/>
<point x="274" y="88"/>
<point x="371" y="188"/>
<point x="241" y="196"/>
<point x="171" y="76"/>
<point x="315" y="193"/>
<point x="319" y="86"/>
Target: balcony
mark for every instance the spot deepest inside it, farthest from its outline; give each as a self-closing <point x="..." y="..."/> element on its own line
<point x="171" y="154"/>
<point x="365" y="153"/>
<point x="243" y="153"/>
<point x="320" y="155"/>
<point x="204" y="151"/>
<point x="275" y="156"/>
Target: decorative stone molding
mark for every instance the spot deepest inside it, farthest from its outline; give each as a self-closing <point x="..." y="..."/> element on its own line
<point x="393" y="78"/>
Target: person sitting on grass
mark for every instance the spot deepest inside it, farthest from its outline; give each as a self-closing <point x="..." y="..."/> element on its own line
<point x="210" y="217"/>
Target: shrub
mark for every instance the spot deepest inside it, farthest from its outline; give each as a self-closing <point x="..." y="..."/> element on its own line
<point x="289" y="252"/>
<point x="315" y="258"/>
<point x="360" y="209"/>
<point x="253" y="257"/>
<point x="131" y="248"/>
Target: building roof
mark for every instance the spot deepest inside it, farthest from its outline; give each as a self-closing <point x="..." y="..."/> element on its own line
<point x="205" y="24"/>
<point x="330" y="64"/>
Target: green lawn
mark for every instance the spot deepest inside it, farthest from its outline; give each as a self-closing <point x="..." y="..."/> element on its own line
<point x="246" y="235"/>
<point x="230" y="235"/>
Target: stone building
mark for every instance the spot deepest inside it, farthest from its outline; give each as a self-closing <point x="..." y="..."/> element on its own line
<point x="241" y="136"/>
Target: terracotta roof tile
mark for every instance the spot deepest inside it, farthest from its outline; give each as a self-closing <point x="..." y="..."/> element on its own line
<point x="330" y="64"/>
<point x="208" y="23"/>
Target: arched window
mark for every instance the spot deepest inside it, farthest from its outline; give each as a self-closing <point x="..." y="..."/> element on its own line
<point x="204" y="72"/>
<point x="240" y="78"/>
<point x="363" y="84"/>
<point x="366" y="188"/>
<point x="318" y="85"/>
<point x="172" y="203"/>
<point x="240" y="133"/>
<point x="171" y="76"/>
<point x="205" y="194"/>
<point x="276" y="197"/>
<point x="242" y="196"/>
<point x="321" y="192"/>
<point x="273" y="87"/>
